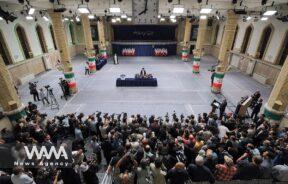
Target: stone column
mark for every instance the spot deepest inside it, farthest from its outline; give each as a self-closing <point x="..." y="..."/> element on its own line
<point x="90" y="52"/>
<point x="102" y="40"/>
<point x="9" y="99"/>
<point x="62" y="43"/>
<point x="186" y="40"/>
<point x="226" y="44"/>
<point x="278" y="100"/>
<point x="199" y="44"/>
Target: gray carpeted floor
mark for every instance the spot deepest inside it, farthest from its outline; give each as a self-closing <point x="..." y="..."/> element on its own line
<point x="178" y="89"/>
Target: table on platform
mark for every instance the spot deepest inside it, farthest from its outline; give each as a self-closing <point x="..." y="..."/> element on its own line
<point x="135" y="82"/>
<point x="100" y="63"/>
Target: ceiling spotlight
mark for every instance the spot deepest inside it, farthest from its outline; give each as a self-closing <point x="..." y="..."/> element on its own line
<point x="65" y="19"/>
<point x="71" y="20"/>
<point x="31" y="11"/>
<point x="173" y="20"/>
<point x="45" y="18"/>
<point x="178" y="9"/>
<point x="114" y="9"/>
<point x="203" y="17"/>
<point x="264" y="18"/>
<point x="113" y="20"/>
<point x="77" y="19"/>
<point x="172" y="16"/>
<point x="83" y="8"/>
<point x="91" y="16"/>
<point x="162" y="19"/>
<point x="118" y="19"/>
<point x="248" y="18"/>
<point x="270" y="12"/>
<point x="123" y="16"/>
<point x="205" y="10"/>
<point x="159" y="16"/>
<point x="129" y="19"/>
<point x="29" y="17"/>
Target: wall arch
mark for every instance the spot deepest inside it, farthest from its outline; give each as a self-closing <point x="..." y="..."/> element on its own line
<point x="215" y="34"/>
<point x="247" y="38"/>
<point x="53" y="36"/>
<point x="283" y="50"/>
<point x="23" y="41"/>
<point x="41" y="38"/>
<point x="264" y="41"/>
<point x="4" y="50"/>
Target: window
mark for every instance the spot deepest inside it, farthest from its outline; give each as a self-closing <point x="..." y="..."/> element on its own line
<point x="194" y="32"/>
<point x="21" y="34"/>
<point x="72" y="33"/>
<point x="264" y="41"/>
<point x="4" y="52"/>
<point x="284" y="51"/>
<point x="246" y="39"/>
<point x="41" y="38"/>
<point x="216" y="34"/>
<point x="235" y="36"/>
<point x="222" y="34"/>
<point x="53" y="36"/>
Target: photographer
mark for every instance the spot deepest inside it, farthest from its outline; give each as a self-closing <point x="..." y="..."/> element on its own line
<point x="43" y="97"/>
<point x="65" y="88"/>
<point x="33" y="91"/>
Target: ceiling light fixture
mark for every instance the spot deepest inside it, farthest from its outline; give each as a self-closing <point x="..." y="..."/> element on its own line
<point x="264" y="18"/>
<point x="205" y="10"/>
<point x="31" y="11"/>
<point x="129" y="19"/>
<point x="77" y="19"/>
<point x="91" y="16"/>
<point x="159" y="16"/>
<point x="29" y="17"/>
<point x="203" y="17"/>
<point x="173" y="20"/>
<point x="82" y="8"/>
<point x="269" y="12"/>
<point x="45" y="18"/>
<point x="172" y="16"/>
<point x="114" y="9"/>
<point x="248" y="18"/>
<point x="123" y="16"/>
<point x="113" y="20"/>
<point x="162" y="19"/>
<point x="178" y="9"/>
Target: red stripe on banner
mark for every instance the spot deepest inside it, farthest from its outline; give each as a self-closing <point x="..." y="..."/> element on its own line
<point x="185" y="56"/>
<point x="72" y="84"/>
<point x="92" y="67"/>
<point x="217" y="85"/>
<point x="196" y="67"/>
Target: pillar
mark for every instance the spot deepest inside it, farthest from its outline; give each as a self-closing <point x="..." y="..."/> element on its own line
<point x="226" y="44"/>
<point x="199" y="45"/>
<point x="9" y="99"/>
<point x="102" y="40"/>
<point x="62" y="43"/>
<point x="90" y="52"/>
<point x="278" y="100"/>
<point x="186" y="40"/>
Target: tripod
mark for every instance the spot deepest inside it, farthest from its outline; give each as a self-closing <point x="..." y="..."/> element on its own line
<point x="54" y="104"/>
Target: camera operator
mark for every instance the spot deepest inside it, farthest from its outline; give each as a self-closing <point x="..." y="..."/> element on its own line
<point x="33" y="91"/>
<point x="65" y="88"/>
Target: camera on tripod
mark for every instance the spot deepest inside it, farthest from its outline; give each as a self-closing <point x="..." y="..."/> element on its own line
<point x="47" y="87"/>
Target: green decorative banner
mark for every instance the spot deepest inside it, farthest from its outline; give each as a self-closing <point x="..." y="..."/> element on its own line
<point x="270" y="115"/>
<point x="69" y="75"/>
<point x="196" y="58"/>
<point x="219" y="75"/>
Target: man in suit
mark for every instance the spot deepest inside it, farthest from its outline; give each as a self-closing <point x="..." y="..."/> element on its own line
<point x="222" y="108"/>
<point x="256" y="109"/>
<point x="143" y="72"/>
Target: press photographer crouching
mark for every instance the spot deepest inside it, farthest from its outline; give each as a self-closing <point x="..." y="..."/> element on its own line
<point x="65" y="88"/>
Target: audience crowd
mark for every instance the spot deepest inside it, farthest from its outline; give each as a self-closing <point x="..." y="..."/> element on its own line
<point x="138" y="149"/>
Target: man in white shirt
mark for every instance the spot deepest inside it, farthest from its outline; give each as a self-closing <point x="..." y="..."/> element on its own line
<point x="222" y="130"/>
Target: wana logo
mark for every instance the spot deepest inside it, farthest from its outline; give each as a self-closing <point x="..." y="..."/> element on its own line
<point x="44" y="153"/>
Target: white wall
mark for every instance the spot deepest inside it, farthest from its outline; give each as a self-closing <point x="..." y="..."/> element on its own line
<point x="13" y="43"/>
<point x="68" y="33"/>
<point x="280" y="28"/>
<point x="220" y="32"/>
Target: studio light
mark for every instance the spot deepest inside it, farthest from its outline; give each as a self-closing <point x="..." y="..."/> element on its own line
<point x="270" y="12"/>
<point x="205" y="10"/>
<point x="45" y="18"/>
<point x="65" y="19"/>
<point x="113" y="20"/>
<point x="264" y="18"/>
<point x="129" y="19"/>
<point x="173" y="20"/>
<point x="29" y="17"/>
<point x="159" y="16"/>
<point x="83" y="8"/>
<point x="91" y="16"/>
<point x="178" y="9"/>
<point x="123" y="16"/>
<point x="31" y="11"/>
<point x="162" y="19"/>
<point x="203" y="17"/>
<point x="118" y="19"/>
<point x="172" y="16"/>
